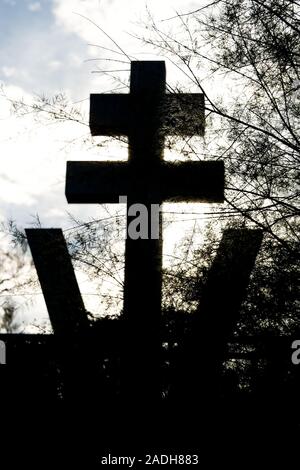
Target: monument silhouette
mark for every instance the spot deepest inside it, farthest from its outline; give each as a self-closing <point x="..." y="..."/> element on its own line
<point x="111" y="371"/>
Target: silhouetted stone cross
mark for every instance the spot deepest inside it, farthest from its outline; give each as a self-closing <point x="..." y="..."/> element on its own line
<point x="146" y="116"/>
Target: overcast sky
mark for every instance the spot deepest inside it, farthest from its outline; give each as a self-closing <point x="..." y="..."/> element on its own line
<point x="44" y="49"/>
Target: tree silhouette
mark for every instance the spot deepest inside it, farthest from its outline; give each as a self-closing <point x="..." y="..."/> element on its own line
<point x="251" y="49"/>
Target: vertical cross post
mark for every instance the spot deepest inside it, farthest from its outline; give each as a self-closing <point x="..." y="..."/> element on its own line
<point x="143" y="258"/>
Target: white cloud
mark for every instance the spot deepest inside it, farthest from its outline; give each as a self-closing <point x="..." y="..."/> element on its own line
<point x="54" y="64"/>
<point x="66" y="14"/>
<point x="75" y="60"/>
<point x="8" y="71"/>
<point x="93" y="21"/>
<point x="114" y="16"/>
<point x="14" y="92"/>
<point x="34" y="157"/>
<point x="34" y="6"/>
